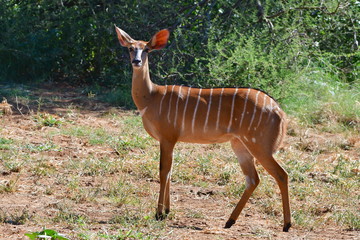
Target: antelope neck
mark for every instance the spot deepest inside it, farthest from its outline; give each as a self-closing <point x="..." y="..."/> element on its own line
<point x="142" y="86"/>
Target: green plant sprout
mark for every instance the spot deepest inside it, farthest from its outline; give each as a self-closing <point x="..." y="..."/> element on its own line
<point x="46" y="234"/>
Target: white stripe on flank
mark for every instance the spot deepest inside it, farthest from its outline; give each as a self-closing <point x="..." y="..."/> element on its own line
<point x="172" y="91"/>
<point x="208" y="111"/>
<point x="262" y="111"/>
<point x="186" y="103"/>
<point x="196" y="107"/>
<point x="219" y="108"/>
<point x="243" y="113"/>
<point x="232" y="110"/>
<point x="270" y="109"/>
<point x="162" y="99"/>
<point x="177" y="105"/>
<point x="254" y="111"/>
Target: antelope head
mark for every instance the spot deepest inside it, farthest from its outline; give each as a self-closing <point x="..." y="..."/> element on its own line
<point x="139" y="49"/>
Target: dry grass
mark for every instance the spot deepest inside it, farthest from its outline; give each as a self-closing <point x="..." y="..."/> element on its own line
<point x="5" y="108"/>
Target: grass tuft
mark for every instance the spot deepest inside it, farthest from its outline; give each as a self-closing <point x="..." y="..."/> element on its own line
<point x="16" y="218"/>
<point x="47" y="120"/>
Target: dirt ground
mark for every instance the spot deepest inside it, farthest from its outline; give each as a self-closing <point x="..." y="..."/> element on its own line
<point x="30" y="192"/>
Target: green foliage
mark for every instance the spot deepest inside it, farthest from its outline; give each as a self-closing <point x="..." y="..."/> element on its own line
<point x="323" y="100"/>
<point x="243" y="61"/>
<point x="120" y="94"/>
<point x="45" y="119"/>
<point x="285" y="48"/>
<point x="46" y="234"/>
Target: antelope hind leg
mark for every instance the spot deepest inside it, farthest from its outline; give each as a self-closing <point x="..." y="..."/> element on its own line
<point x="247" y="165"/>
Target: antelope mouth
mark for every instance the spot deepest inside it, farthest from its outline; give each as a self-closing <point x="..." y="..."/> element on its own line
<point x="137" y="65"/>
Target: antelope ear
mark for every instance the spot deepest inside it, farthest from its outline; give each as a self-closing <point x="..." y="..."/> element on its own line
<point x="124" y="38"/>
<point x="159" y="40"/>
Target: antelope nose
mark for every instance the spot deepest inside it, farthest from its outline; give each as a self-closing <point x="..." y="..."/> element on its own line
<point x="136" y="61"/>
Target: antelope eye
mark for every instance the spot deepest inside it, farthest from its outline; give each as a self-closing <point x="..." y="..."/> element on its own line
<point x="131" y="49"/>
<point x="146" y="50"/>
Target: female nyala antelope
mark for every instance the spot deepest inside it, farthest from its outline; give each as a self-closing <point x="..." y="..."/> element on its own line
<point x="250" y="119"/>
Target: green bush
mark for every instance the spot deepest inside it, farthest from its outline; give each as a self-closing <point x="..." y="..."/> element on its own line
<point x="266" y="44"/>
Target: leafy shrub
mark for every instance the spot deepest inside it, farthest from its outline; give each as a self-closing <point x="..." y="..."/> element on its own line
<point x="264" y="44"/>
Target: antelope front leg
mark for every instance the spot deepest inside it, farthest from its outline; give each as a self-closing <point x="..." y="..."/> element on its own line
<point x="166" y="152"/>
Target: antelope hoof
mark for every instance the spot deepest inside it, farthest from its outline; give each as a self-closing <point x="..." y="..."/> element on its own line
<point x="286" y="227"/>
<point x="229" y="223"/>
<point x="159" y="216"/>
